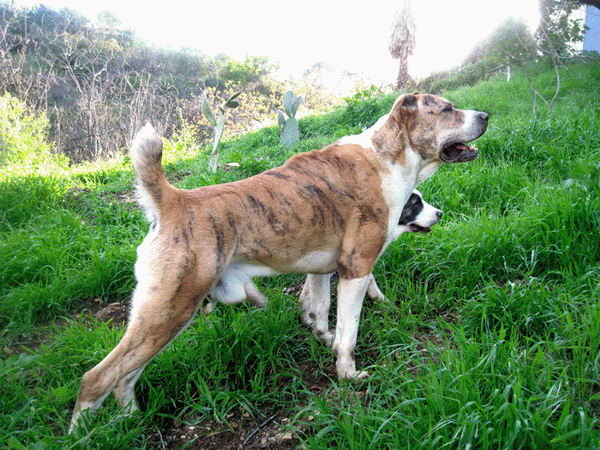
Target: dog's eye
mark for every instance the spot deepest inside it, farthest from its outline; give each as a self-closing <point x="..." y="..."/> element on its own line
<point x="447" y="109"/>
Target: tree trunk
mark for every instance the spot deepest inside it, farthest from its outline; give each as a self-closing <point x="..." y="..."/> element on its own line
<point x="402" y="77"/>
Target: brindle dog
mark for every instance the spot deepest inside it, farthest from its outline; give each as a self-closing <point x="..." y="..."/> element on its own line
<point x="324" y="210"/>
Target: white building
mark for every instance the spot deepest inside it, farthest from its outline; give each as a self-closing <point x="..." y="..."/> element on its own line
<point x="591" y="40"/>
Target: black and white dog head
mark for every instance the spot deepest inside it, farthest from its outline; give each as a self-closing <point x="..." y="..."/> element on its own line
<point x="418" y="216"/>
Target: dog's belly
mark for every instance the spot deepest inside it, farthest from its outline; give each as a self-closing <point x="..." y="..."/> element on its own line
<point x="230" y="287"/>
<point x="321" y="261"/>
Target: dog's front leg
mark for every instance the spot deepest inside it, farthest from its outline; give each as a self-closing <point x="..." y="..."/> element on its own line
<point x="351" y="293"/>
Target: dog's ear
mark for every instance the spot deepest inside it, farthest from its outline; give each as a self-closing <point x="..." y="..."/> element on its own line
<point x="408" y="101"/>
<point x="404" y="108"/>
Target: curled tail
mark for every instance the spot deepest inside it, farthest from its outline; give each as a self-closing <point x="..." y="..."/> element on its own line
<point x="146" y="154"/>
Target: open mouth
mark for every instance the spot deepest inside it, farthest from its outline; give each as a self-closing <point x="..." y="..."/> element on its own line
<point x="458" y="152"/>
<point x="418" y="228"/>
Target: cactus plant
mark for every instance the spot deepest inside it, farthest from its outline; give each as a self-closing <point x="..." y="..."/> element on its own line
<point x="290" y="133"/>
<point x="219" y="124"/>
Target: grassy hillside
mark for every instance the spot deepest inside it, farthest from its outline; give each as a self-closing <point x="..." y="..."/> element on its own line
<point x="492" y="339"/>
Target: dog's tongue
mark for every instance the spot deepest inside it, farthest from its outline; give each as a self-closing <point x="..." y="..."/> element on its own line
<point x="459" y="153"/>
<point x="464" y="147"/>
<point x="418" y="229"/>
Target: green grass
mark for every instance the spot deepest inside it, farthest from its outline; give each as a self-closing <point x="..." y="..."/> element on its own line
<point x="492" y="340"/>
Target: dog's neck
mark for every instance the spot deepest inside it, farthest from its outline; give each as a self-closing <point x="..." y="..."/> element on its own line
<point x="393" y="150"/>
<point x="401" y="167"/>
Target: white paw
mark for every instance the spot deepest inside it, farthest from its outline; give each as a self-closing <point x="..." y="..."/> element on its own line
<point x="208" y="308"/>
<point x="355" y="375"/>
<point x="325" y="336"/>
<point x="260" y="303"/>
<point x="305" y="319"/>
<point x="360" y="374"/>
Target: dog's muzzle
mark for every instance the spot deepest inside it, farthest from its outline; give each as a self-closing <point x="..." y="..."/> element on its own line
<point x="458" y="152"/>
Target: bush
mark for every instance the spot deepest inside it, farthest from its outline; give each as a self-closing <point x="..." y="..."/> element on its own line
<point x="23" y="137"/>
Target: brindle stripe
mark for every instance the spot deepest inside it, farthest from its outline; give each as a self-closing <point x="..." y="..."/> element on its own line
<point x="220" y="241"/>
<point x="186" y="239"/>
<point x="312" y="175"/>
<point x="191" y="219"/>
<point x="275" y="224"/>
<point x="231" y="221"/>
<point x="276" y="174"/>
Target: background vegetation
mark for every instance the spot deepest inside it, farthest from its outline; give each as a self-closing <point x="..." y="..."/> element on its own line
<point x="491" y="338"/>
<point x="97" y="83"/>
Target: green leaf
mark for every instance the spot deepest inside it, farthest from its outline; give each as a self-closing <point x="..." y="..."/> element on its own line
<point x="288" y="103"/>
<point x="290" y="134"/>
<point x="207" y="112"/>
<point x="232" y="104"/>
<point x="280" y="118"/>
<point x="218" y="133"/>
<point x="214" y="154"/>
<point x="233" y="97"/>
<point x="14" y="443"/>
<point x="296" y="105"/>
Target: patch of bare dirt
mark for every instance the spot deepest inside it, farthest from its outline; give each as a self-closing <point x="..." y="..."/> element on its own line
<point x="115" y="312"/>
<point x="121" y="197"/>
<point x="174" y="178"/>
<point x="294" y="290"/>
<point x="245" y="432"/>
<point x="271" y="430"/>
<point x="317" y="381"/>
<point x="426" y="341"/>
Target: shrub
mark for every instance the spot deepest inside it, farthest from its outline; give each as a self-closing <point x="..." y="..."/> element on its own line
<point x="23" y="137"/>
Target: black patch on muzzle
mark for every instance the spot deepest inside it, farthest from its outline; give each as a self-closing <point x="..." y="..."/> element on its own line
<point x="412" y="208"/>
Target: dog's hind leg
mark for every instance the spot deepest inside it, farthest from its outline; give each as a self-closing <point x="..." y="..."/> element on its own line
<point x="374" y="291"/>
<point x="162" y="309"/>
<point x="257" y="298"/>
<point x="305" y="304"/>
<point x="125" y="391"/>
<point x="319" y="301"/>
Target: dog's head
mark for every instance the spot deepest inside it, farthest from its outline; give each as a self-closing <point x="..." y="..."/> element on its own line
<point x="432" y="127"/>
<point x="418" y="216"/>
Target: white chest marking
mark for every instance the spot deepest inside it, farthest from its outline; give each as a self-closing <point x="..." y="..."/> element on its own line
<point x="397" y="186"/>
<point x="399" y="182"/>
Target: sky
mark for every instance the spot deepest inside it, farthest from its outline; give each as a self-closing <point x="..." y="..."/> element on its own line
<point x="350" y="36"/>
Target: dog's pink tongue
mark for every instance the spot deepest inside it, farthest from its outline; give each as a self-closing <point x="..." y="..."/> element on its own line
<point x="463" y="147"/>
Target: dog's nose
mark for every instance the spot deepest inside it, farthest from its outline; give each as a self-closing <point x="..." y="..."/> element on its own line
<point x="439" y="214"/>
<point x="484" y="116"/>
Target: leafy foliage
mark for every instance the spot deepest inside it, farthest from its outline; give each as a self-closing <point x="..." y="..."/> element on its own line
<point x="23" y="138"/>
<point x="559" y="30"/>
<point x="98" y="84"/>
<point x="511" y="46"/>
